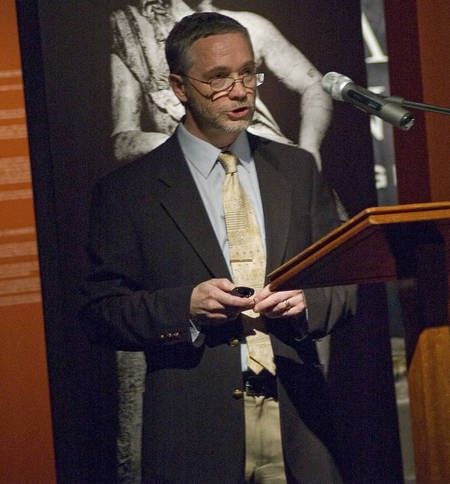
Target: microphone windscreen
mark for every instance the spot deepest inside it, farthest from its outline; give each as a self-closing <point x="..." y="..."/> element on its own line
<point x="333" y="83"/>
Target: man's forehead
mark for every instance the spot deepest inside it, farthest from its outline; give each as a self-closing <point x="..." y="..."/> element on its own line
<point x="223" y="44"/>
<point x="216" y="54"/>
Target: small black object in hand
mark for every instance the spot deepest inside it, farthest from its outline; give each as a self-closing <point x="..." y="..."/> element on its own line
<point x="243" y="291"/>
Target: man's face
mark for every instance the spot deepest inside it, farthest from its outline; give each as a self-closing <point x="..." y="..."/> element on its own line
<point x="218" y="117"/>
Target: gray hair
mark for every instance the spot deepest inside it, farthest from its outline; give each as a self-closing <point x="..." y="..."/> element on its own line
<point x="194" y="27"/>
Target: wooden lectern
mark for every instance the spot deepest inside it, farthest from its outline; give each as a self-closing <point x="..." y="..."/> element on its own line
<point x="396" y="243"/>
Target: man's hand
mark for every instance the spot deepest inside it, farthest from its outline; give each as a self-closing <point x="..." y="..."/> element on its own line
<point x="212" y="304"/>
<point x="279" y="304"/>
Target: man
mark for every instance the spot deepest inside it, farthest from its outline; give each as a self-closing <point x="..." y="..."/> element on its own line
<point x="163" y="254"/>
<point x="145" y="112"/>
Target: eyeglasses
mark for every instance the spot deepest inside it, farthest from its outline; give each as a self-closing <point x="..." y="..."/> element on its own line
<point x="219" y="84"/>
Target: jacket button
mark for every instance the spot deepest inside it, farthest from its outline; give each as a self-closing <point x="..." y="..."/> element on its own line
<point x="237" y="394"/>
<point x="235" y="342"/>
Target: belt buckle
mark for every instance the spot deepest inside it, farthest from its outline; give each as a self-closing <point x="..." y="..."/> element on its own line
<point x="255" y="386"/>
<point x="249" y="390"/>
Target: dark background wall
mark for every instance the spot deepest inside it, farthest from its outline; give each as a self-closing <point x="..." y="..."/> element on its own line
<point x="65" y="49"/>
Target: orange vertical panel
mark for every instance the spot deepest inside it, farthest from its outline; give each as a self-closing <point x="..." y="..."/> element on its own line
<point x="26" y="440"/>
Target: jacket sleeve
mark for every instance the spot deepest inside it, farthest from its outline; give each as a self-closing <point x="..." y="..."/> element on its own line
<point x="122" y="308"/>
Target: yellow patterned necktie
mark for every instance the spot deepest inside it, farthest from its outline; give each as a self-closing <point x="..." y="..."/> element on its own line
<point x="247" y="256"/>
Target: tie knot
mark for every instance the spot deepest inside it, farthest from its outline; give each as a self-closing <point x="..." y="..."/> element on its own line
<point x="228" y="161"/>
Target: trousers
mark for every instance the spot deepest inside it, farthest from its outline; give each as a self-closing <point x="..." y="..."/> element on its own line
<point x="264" y="461"/>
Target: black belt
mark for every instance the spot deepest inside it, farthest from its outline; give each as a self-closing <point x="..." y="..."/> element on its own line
<point x="264" y="384"/>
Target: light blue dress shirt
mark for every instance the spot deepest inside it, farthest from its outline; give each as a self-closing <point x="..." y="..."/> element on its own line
<point x="209" y="175"/>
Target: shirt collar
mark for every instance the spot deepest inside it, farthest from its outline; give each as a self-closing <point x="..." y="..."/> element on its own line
<point x="203" y="155"/>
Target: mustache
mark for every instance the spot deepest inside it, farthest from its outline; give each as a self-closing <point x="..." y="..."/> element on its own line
<point x="236" y="106"/>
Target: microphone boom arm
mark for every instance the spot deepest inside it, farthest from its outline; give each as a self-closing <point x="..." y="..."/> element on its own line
<point x="415" y="105"/>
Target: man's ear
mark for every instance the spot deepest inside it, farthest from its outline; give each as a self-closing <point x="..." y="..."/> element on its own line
<point x="177" y="84"/>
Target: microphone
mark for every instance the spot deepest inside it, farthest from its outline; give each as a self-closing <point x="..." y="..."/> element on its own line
<point x="342" y="88"/>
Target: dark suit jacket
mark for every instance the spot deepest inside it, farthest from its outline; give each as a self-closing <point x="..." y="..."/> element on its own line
<point x="150" y="243"/>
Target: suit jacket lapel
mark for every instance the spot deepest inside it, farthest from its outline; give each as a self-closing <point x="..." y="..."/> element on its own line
<point x="276" y="200"/>
<point x="182" y="201"/>
<point x="184" y="205"/>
